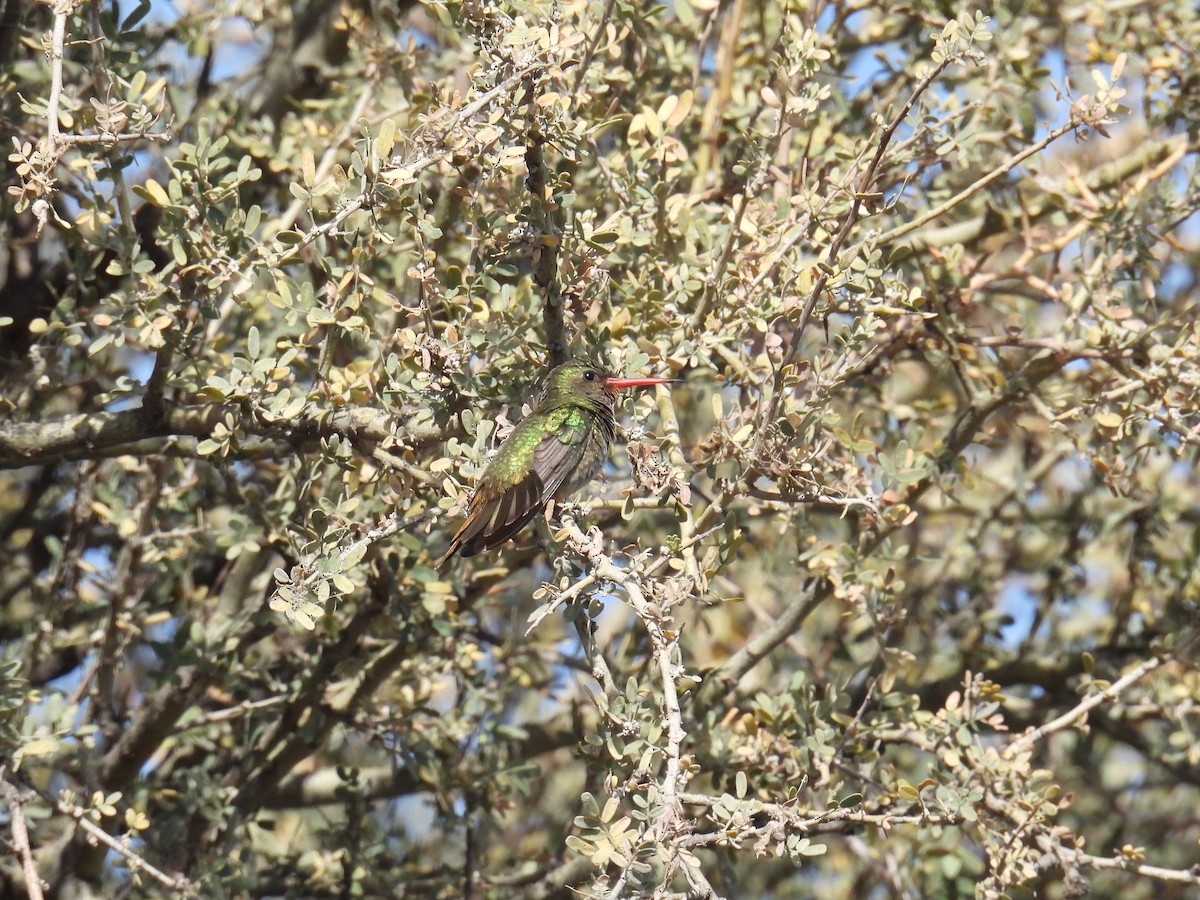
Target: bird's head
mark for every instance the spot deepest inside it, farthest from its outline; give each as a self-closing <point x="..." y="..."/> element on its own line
<point x="577" y="380"/>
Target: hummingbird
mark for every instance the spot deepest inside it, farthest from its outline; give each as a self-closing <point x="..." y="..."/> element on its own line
<point x="551" y="453"/>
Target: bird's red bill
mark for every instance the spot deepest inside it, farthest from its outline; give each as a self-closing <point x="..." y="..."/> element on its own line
<point x="619" y="383"/>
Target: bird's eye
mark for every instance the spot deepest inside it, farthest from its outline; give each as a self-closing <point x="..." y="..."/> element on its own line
<point x="589" y="375"/>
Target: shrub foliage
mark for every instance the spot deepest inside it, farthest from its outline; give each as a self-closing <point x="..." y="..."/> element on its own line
<point x="892" y="595"/>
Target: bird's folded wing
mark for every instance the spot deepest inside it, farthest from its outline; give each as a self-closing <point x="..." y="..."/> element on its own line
<point x="555" y="457"/>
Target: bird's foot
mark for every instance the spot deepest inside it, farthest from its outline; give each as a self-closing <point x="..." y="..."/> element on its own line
<point x="573" y="509"/>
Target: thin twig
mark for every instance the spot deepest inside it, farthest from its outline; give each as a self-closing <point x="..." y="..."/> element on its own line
<point x="595" y="656"/>
<point x="562" y="600"/>
<point x="391" y="525"/>
<point x="799" y="821"/>
<point x="860" y="189"/>
<point x="179" y="884"/>
<point x="1069" y="718"/>
<point x="329" y="158"/>
<point x="1182" y="876"/>
<point x="110" y="140"/>
<point x="971" y="190"/>
<point x="229" y="713"/>
<point x="20" y="832"/>
<point x="592" y="46"/>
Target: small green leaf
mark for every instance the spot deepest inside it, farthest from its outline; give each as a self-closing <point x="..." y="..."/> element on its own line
<point x="319" y="316"/>
<point x="153" y="191"/>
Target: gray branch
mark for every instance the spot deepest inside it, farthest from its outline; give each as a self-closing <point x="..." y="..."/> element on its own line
<point x="95" y="435"/>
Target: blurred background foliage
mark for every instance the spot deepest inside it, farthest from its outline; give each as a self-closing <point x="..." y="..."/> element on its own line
<point x="893" y="596"/>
